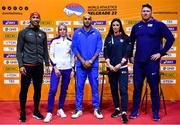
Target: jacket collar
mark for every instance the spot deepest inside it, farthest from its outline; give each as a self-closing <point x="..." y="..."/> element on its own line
<point x="32" y="27"/>
<point x="91" y="30"/>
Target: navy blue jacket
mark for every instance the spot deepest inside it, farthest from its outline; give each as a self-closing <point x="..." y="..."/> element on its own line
<point x="117" y="48"/>
<point x="148" y="37"/>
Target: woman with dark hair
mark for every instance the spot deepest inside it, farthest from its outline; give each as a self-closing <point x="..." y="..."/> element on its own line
<point x="116" y="52"/>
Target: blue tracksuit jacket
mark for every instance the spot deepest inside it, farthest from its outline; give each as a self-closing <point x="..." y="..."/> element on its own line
<point x="87" y="44"/>
<point x="148" y="37"/>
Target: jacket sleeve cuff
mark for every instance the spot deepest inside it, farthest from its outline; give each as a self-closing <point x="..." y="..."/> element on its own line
<point x="162" y="53"/>
<point x="107" y="59"/>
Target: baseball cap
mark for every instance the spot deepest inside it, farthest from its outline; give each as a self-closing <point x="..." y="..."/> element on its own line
<point x="34" y="13"/>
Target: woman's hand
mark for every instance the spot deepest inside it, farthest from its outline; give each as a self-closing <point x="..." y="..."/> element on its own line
<point x="117" y="67"/>
<point x="57" y="72"/>
<point x="72" y="74"/>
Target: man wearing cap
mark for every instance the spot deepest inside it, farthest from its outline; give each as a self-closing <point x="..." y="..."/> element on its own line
<point x="86" y="46"/>
<point x="31" y="52"/>
<point x="148" y="35"/>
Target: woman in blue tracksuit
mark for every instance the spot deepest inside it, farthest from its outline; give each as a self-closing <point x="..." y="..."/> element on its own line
<point x="116" y="54"/>
<point x="62" y="60"/>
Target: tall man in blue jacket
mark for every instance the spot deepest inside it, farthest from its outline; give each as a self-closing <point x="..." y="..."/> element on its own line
<point x="86" y="46"/>
<point x="148" y="34"/>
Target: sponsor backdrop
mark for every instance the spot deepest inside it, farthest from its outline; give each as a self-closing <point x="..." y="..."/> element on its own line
<point x="15" y="16"/>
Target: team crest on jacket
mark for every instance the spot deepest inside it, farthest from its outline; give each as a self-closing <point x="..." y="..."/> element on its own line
<point x="121" y="40"/>
<point x="39" y="35"/>
<point x="150" y="25"/>
<point x="30" y="34"/>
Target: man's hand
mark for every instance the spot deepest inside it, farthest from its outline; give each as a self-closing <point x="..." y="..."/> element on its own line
<point x="88" y="64"/>
<point x="83" y="63"/>
<point x="156" y="56"/>
<point x="22" y="70"/>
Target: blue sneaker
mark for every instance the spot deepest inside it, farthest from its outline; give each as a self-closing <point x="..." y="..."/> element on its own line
<point x="134" y="114"/>
<point x="156" y="116"/>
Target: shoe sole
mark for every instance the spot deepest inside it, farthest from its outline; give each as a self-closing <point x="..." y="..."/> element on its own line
<point x="61" y="116"/>
<point x="47" y="121"/>
<point x="98" y="117"/>
<point x="124" y="121"/>
<point x="116" y="116"/>
<point x="156" y="119"/>
<point x="77" y="117"/>
<point x="22" y="120"/>
<point x="133" y="117"/>
<point x="36" y="117"/>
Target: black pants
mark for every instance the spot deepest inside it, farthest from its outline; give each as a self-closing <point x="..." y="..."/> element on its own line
<point x="121" y="77"/>
<point x="36" y="74"/>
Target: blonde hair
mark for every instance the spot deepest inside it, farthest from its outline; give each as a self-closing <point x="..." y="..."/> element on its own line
<point x="62" y="24"/>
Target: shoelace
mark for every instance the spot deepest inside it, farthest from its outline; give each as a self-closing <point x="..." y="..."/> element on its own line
<point x="76" y="111"/>
<point x="38" y="114"/>
<point x="116" y="112"/>
<point x="98" y="111"/>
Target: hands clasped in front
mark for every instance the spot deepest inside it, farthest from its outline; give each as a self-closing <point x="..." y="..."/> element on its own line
<point x="87" y="64"/>
<point x="114" y="68"/>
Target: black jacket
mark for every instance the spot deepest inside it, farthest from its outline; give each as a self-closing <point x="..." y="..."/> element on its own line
<point x="32" y="47"/>
<point x="116" y="48"/>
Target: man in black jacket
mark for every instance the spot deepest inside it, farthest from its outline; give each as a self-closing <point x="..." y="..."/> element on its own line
<point x="31" y="52"/>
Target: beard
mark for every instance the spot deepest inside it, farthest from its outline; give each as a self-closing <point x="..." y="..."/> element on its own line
<point x="35" y="23"/>
<point x="146" y="18"/>
<point x="87" y="25"/>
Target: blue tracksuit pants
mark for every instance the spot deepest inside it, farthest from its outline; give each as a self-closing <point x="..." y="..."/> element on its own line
<point x="119" y="81"/>
<point x="81" y="75"/>
<point x="150" y="70"/>
<point x="54" y="82"/>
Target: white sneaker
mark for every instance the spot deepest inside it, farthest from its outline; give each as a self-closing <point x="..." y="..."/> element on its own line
<point x="98" y="114"/>
<point x="48" y="117"/>
<point x="76" y="114"/>
<point x="61" y="113"/>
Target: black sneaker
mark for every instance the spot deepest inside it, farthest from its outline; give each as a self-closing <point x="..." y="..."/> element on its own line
<point x="38" y="115"/>
<point x="22" y="117"/>
<point x="116" y="113"/>
<point x="124" y="118"/>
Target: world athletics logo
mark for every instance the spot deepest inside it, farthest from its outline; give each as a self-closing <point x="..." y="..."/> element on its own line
<point x="74" y="8"/>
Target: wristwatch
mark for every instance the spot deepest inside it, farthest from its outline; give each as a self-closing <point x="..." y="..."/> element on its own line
<point x="90" y="61"/>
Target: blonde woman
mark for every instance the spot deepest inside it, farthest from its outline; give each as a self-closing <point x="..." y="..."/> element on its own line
<point x="62" y="61"/>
